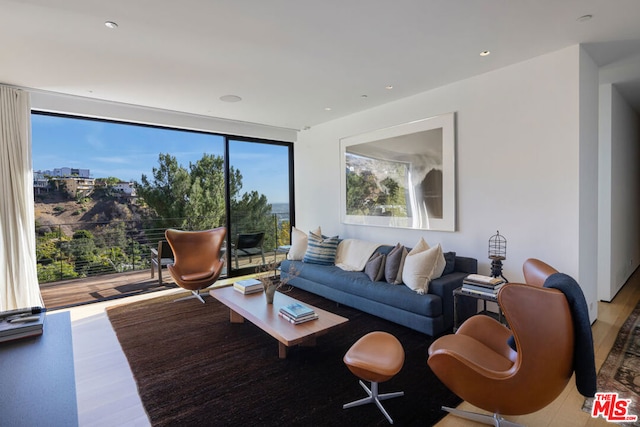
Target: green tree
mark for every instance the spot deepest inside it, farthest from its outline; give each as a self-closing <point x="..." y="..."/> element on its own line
<point x="252" y="212"/>
<point x="83" y="251"/>
<point x="167" y="192"/>
<point x="54" y="272"/>
<point x="194" y="198"/>
<point x="362" y="193"/>
<point x="284" y="233"/>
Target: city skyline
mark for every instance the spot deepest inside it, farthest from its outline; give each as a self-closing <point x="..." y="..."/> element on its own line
<point x="127" y="151"/>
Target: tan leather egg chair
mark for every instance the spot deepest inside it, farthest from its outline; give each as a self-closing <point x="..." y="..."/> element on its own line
<point x="198" y="259"/>
<point x="536" y="272"/>
<point x="477" y="364"/>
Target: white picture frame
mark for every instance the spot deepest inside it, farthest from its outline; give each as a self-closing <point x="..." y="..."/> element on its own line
<point x="416" y="161"/>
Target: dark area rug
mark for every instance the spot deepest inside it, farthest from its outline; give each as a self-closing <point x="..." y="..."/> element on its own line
<point x="620" y="372"/>
<point x="193" y="367"/>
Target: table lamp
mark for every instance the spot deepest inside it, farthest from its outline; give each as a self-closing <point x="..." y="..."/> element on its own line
<point x="497" y="253"/>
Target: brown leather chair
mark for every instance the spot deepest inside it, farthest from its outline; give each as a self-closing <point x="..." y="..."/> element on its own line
<point x="198" y="258"/>
<point x="536" y="272"/>
<point x="477" y="363"/>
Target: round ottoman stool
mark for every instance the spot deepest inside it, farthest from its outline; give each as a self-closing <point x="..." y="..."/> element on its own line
<point x="376" y="357"/>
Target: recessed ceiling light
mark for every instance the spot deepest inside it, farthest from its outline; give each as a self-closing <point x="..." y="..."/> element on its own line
<point x="111" y="24"/>
<point x="327" y="109"/>
<point x="389" y="87"/>
<point x="230" y="98"/>
<point x="584" y="18"/>
<point x="485" y="53"/>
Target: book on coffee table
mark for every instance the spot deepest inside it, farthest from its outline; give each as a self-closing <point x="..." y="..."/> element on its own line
<point x="298" y="320"/>
<point x="297" y="310"/>
<point x="248" y="286"/>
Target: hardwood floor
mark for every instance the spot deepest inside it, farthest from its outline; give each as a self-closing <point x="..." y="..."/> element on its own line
<point x="74" y="292"/>
<point x="107" y="394"/>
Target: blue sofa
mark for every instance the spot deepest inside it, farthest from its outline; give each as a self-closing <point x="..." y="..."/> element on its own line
<point x="431" y="313"/>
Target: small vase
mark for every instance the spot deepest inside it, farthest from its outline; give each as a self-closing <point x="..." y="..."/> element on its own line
<point x="270" y="291"/>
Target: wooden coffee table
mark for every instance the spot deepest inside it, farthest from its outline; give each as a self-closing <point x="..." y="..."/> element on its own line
<point x="255" y="309"/>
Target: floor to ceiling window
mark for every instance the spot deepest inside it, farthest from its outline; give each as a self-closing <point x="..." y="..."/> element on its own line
<point x="105" y="192"/>
<point x="259" y="209"/>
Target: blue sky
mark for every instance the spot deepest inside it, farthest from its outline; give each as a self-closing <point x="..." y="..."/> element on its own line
<point x="128" y="151"/>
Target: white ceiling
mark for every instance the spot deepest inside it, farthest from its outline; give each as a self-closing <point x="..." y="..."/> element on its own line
<point x="289" y="60"/>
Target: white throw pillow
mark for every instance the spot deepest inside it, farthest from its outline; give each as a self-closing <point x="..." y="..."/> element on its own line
<point x="422" y="265"/>
<point x="299" y="241"/>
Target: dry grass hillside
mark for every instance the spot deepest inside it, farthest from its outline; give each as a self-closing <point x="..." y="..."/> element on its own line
<point x="55" y="209"/>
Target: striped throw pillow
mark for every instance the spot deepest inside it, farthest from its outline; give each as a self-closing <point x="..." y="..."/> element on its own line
<point x="321" y="249"/>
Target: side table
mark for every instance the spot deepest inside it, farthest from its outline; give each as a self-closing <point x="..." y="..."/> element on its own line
<point x="38" y="377"/>
<point x="457" y="293"/>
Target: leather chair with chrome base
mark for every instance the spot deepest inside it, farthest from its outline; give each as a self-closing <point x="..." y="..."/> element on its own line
<point x="552" y="340"/>
<point x="198" y="259"/>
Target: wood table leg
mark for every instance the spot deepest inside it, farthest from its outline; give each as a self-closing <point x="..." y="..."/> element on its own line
<point x="282" y="350"/>
<point x="235" y="317"/>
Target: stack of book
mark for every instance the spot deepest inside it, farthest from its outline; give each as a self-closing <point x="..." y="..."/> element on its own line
<point x="482" y="285"/>
<point x="297" y="313"/>
<point x="21" y="323"/>
<point x="248" y="286"/>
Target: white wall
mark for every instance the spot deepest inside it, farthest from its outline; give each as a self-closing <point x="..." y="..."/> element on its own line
<point x="619" y="187"/>
<point x="588" y="180"/>
<point x="518" y="164"/>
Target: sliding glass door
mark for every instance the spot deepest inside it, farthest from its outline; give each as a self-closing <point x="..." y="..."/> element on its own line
<point x="260" y="203"/>
<point x="105" y="192"/>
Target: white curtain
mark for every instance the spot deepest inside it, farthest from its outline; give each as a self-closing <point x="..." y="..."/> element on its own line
<point x="18" y="274"/>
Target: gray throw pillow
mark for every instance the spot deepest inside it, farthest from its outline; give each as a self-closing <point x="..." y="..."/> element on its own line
<point x="375" y="267"/>
<point x="450" y="259"/>
<point x="394" y="264"/>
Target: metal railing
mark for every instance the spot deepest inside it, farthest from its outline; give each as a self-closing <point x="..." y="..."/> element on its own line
<point x="83" y="249"/>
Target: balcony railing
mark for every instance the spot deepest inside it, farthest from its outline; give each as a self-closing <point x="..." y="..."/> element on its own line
<point x="85" y="249"/>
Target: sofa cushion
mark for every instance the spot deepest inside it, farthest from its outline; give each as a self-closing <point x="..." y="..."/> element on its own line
<point x="299" y="241"/>
<point x="358" y="283"/>
<point x="394" y="264"/>
<point x="375" y="267"/>
<point x="450" y="263"/>
<point x="321" y="249"/>
<point x="422" y="265"/>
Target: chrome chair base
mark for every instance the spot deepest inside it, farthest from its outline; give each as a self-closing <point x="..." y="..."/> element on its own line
<point x="494" y="420"/>
<point x="195" y="294"/>
<point x="375" y="398"/>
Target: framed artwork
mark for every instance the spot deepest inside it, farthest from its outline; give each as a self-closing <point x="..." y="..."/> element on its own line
<point x="402" y="176"/>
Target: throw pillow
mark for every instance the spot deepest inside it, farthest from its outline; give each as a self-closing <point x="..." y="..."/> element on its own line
<point x="375" y="267"/>
<point x="394" y="265"/>
<point x="421" y="266"/>
<point x="299" y="243"/>
<point x="450" y="260"/>
<point x="321" y="249"/>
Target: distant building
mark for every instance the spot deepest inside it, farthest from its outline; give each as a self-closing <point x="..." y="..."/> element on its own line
<point x="68" y="172"/>
<point x="40" y="183"/>
<point x="76" y="187"/>
<point x="126" y="188"/>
